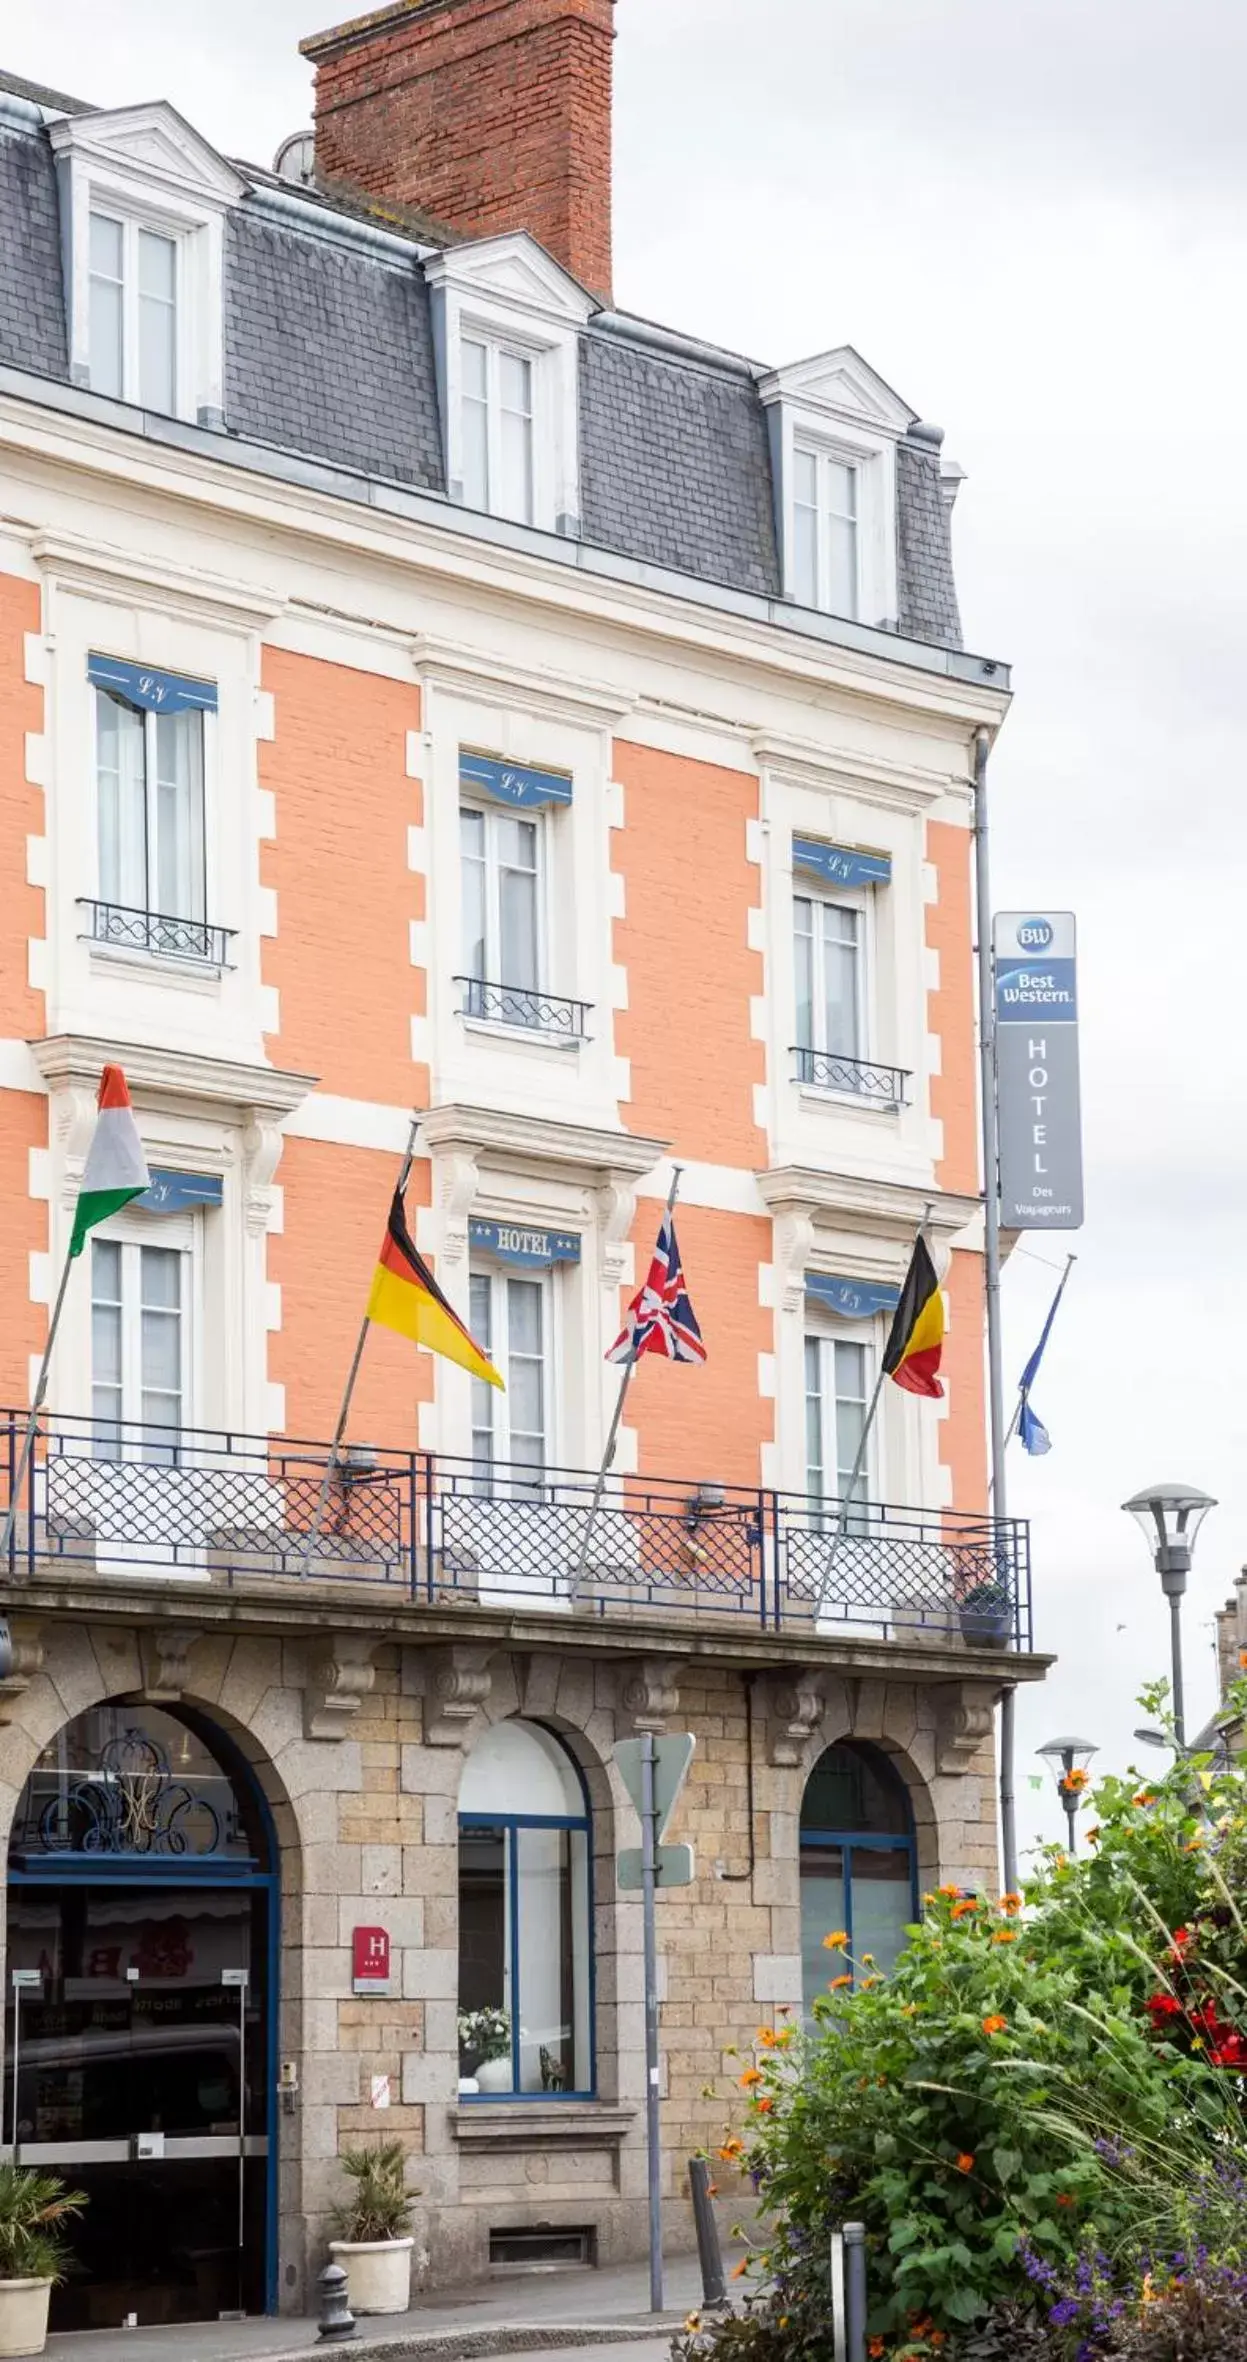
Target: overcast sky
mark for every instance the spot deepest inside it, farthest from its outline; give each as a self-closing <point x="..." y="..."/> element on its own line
<point x="1030" y="218"/>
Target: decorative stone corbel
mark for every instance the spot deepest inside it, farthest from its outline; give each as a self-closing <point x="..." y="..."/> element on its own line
<point x="794" y="1709"/>
<point x="74" y="1114"/>
<point x="340" y="1676"/>
<point x="262" y="1144"/>
<point x="649" y="1694"/>
<point x="26" y="1643"/>
<point x="616" y="1215"/>
<point x="965" y="1719"/>
<point x="457" y="1686"/>
<point x="458" y="1177"/>
<point x="164" y="1656"/>
<point x="794" y="1238"/>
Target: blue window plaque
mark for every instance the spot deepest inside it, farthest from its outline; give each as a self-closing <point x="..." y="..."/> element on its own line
<point x="849" y="1299"/>
<point x="177" y="1193"/>
<point x="522" y="1247"/>
<point x="840" y="865"/>
<point x="154" y="692"/>
<point x="513" y="783"/>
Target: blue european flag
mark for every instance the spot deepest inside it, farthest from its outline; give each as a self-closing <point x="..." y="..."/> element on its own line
<point x="1035" y="1437"/>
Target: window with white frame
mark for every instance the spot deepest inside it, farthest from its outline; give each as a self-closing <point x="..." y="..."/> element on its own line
<point x="826" y="526"/>
<point x="839" y="1377"/>
<point x="134" y="274"/>
<point x="501" y="886"/>
<point x="829" y="950"/>
<point x="140" y="1338"/>
<point x="510" y="1319"/>
<point x="525" y="1919"/>
<point x="499" y="390"/>
<point x="151" y="819"/>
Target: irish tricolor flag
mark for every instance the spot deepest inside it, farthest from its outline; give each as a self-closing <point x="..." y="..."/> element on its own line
<point x="116" y="1168"/>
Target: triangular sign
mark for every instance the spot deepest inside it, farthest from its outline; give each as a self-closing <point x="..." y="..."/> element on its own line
<point x="673" y="1753"/>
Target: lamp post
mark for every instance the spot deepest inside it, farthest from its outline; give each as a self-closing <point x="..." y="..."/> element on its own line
<point x="1068" y="1760"/>
<point x="1170" y="1516"/>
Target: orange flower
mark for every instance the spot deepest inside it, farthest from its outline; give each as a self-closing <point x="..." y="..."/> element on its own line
<point x="1063" y="2199"/>
<point x="1005" y="1935"/>
<point x="963" y="1909"/>
<point x="730" y="2151"/>
<point x="1011" y="1905"/>
<point x="937" y="2337"/>
<point x="1074" y="1782"/>
<point x="965" y="2163"/>
<point x="1242" y="1660"/>
<point x="951" y="1891"/>
<point x="764" y="2107"/>
<point x="751" y="2076"/>
<point x="1196" y="1845"/>
<point x="739" y="2270"/>
<point x="994" y="2024"/>
<point x="837" y="1941"/>
<point x="838" y="1984"/>
<point x="1093" y="1835"/>
<point x="765" y="2037"/>
<point x="876" y="2349"/>
<point x="1145" y="1796"/>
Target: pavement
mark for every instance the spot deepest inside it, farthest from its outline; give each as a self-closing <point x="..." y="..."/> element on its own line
<point x="535" y="2313"/>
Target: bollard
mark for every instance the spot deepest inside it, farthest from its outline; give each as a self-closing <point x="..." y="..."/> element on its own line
<point x="709" y="2252"/>
<point x="855" y="2291"/>
<point x="336" y="2318"/>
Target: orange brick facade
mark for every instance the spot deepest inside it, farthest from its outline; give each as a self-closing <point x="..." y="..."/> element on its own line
<point x="23" y="1118"/>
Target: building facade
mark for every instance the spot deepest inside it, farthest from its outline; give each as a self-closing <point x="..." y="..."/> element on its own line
<point x="426" y="691"/>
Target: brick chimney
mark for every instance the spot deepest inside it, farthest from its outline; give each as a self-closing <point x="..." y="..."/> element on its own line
<point x="493" y="115"/>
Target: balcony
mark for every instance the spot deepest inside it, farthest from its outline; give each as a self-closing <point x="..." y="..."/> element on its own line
<point x="858" y="1078"/>
<point x="528" y="1011"/>
<point x="153" y="932"/>
<point x="236" y="1511"/>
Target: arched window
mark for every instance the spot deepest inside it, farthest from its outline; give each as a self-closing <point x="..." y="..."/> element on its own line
<point x="857" y="1863"/>
<point x="525" y="1919"/>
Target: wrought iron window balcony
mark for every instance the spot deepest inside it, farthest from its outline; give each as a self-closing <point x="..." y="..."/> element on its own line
<point x="528" y="1011"/>
<point x="237" y="1510"/>
<point x="827" y="1070"/>
<point x="156" y="932"/>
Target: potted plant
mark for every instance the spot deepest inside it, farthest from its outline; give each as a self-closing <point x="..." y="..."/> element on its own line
<point x="34" y="2258"/>
<point x="987" y="1616"/>
<point x="485" y="2049"/>
<point x="375" y="2240"/>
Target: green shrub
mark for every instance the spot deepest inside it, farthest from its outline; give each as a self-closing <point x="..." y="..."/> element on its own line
<point x="380" y="2204"/>
<point x="34" y="2207"/>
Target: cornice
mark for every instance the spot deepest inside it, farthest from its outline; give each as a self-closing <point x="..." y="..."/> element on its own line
<point x="152" y="582"/>
<point x="502" y="1138"/>
<point x="563" y="697"/>
<point x="891" y="1209"/>
<point x="870" y="779"/>
<point x="74" y="1061"/>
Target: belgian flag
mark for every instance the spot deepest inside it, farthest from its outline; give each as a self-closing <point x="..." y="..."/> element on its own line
<point x="911" y="1356"/>
<point x="406" y="1297"/>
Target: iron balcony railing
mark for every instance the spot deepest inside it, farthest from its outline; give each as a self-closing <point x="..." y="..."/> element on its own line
<point x="237" y="1509"/>
<point x="154" y="931"/>
<point x="529" y="1011"/>
<point x="826" y="1070"/>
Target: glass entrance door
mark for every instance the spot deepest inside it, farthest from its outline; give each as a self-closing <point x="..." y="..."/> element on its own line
<point x="137" y="2015"/>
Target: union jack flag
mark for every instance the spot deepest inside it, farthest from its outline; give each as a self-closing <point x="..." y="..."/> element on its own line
<point x="660" y="1318"/>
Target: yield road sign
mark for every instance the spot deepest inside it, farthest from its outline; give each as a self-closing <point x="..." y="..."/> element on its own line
<point x="673" y="1753"/>
<point x="673" y="1866"/>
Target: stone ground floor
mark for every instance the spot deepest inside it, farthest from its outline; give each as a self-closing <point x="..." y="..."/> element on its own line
<point x="284" y="1883"/>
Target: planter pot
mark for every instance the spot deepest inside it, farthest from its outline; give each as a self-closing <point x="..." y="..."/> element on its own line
<point x="378" y="2274"/>
<point x="24" y="2316"/>
<point x="494" y="2075"/>
<point x="986" y="1627"/>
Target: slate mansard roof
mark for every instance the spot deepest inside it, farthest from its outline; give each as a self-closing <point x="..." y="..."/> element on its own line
<point x="329" y="354"/>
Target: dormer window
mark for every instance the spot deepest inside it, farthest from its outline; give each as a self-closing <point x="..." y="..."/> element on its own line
<point x="498" y="420"/>
<point x="133" y="313"/>
<point x="826" y="502"/>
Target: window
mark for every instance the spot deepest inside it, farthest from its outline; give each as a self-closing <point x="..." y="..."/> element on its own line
<point x="829" y="944"/>
<point x="510" y="1320"/>
<point x="857" y="1865"/>
<point x="133" y="314"/>
<point x="525" y="1919"/>
<point x="501" y="890"/>
<point x="838" y="1382"/>
<point x="150" y="796"/>
<point x="497" y="430"/>
<point x="825" y="522"/>
<point x="138" y="1349"/>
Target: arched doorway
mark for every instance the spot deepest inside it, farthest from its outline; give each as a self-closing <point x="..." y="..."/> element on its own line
<point x="142" y="1926"/>
<point x="858" y="1862"/>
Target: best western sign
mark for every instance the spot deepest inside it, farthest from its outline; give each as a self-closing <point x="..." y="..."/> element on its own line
<point x="1037" y="1090"/>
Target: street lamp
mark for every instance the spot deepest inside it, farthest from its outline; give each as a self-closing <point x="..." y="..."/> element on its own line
<point x="1067" y="1760"/>
<point x="1170" y="1516"/>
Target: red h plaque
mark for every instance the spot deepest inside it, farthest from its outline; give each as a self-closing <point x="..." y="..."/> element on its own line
<point x="370" y="1960"/>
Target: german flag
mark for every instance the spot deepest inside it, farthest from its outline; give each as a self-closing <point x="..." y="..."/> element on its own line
<point x="911" y="1356"/>
<point x="405" y="1296"/>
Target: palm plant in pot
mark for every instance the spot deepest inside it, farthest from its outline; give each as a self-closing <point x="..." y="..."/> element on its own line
<point x="34" y="2257"/>
<point x="375" y="2240"/>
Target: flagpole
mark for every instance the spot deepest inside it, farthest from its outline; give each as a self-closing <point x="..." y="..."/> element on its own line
<point x="353" y="1373"/>
<point x="616" y="1422"/>
<point x="846" y="1503"/>
<point x="32" y="1424"/>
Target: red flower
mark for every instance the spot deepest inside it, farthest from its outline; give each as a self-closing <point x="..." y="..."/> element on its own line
<point x="1160" y="2006"/>
<point x="1182" y="1936"/>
